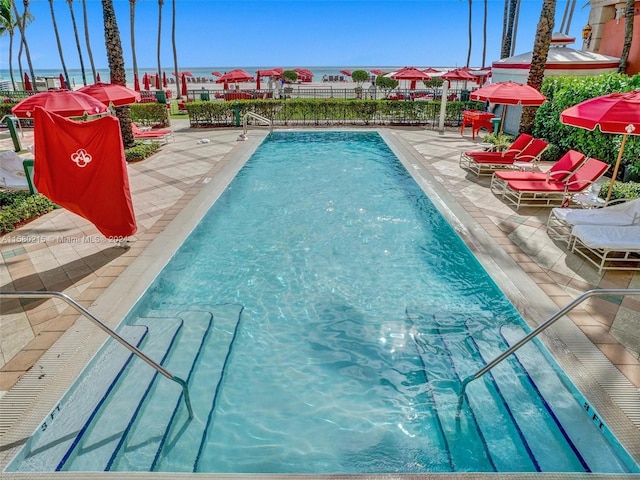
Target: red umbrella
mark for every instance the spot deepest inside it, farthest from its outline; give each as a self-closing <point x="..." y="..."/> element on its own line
<point x="458" y="74"/>
<point x="183" y="87"/>
<point x="157" y="82"/>
<point x="509" y="93"/>
<point x="410" y="73"/>
<point x="431" y="70"/>
<point x="378" y="72"/>
<point x="258" y="82"/>
<point x="346" y="72"/>
<point x="304" y="74"/>
<point x="27" y="83"/>
<point x="98" y="77"/>
<point x="136" y="82"/>
<point x="63" y="84"/>
<point x="68" y="103"/>
<point x="613" y="113"/>
<point x="216" y="73"/>
<point x="235" y="76"/>
<point x="165" y="84"/>
<point x="186" y="73"/>
<point x="273" y="72"/>
<point x="145" y="82"/>
<point x="111" y="94"/>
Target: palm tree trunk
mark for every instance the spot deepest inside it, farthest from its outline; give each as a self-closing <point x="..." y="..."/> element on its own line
<point x="175" y="53"/>
<point x="75" y="32"/>
<point x="508" y="37"/>
<point x="11" y="76"/>
<point x="116" y="67"/>
<point x="22" y="24"/>
<point x="55" y="30"/>
<point x="628" y="36"/>
<point x="484" y="33"/>
<point x="160" y="3"/>
<point x="470" y="34"/>
<point x="539" y="60"/>
<point x="516" y="19"/>
<point x="132" y="15"/>
<point x="86" y="40"/>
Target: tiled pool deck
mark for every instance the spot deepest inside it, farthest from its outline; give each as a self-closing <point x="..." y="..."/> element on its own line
<point x="62" y="252"/>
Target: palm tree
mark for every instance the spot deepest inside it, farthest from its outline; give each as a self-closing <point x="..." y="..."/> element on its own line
<point x="539" y="59"/>
<point x="75" y="32"/>
<point x="507" y="36"/>
<point x="514" y="36"/>
<point x="55" y="29"/>
<point x="160" y="3"/>
<point x="484" y="33"/>
<point x="175" y="53"/>
<point x="22" y="26"/>
<point x="116" y="67"/>
<point x="470" y="35"/>
<point x="7" y="26"/>
<point x="86" y="40"/>
<point x="628" y="36"/>
<point x="132" y="15"/>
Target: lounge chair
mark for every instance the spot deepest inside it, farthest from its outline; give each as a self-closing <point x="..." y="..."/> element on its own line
<point x="487" y="164"/>
<point x="560" y="170"/>
<point x="518" y="144"/>
<point x="608" y="247"/>
<point x="161" y="134"/>
<point x="12" y="172"/>
<point x="553" y="193"/>
<point x="617" y="213"/>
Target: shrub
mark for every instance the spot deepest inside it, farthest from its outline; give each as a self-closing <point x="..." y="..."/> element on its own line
<point x="18" y="207"/>
<point x="156" y="114"/>
<point x="386" y="84"/>
<point x="360" y="76"/>
<point x="290" y="76"/>
<point x="500" y="141"/>
<point x="141" y="150"/>
<point x="621" y="190"/>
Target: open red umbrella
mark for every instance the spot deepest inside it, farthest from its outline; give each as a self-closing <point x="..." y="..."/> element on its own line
<point x="458" y="74"/>
<point x="617" y="113"/>
<point x="410" y="73"/>
<point x="304" y="74"/>
<point x="27" y="83"/>
<point x="63" y="84"/>
<point x="216" y="73"/>
<point x="431" y="70"/>
<point x="346" y="72"/>
<point x="67" y="103"/>
<point x="111" y="94"/>
<point x="509" y="93"/>
<point x="136" y="82"/>
<point x="235" y="76"/>
<point x="269" y="72"/>
<point x="186" y="73"/>
<point x="183" y="86"/>
<point x="377" y="71"/>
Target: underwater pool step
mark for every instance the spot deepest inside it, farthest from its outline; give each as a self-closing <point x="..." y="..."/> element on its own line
<point x="56" y="435"/>
<point x="98" y="440"/>
<point x="138" y="447"/>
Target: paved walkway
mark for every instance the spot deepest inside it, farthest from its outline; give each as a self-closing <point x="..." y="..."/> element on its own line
<point x="61" y="251"/>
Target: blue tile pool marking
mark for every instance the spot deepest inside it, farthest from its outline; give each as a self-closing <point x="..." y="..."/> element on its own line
<point x="516" y="360"/>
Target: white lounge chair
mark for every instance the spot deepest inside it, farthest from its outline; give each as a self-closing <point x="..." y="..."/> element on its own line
<point x="617" y="212"/>
<point x="610" y="247"/>
<point x="12" y="173"/>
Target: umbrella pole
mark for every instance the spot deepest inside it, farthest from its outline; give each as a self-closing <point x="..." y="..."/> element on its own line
<point x="615" y="169"/>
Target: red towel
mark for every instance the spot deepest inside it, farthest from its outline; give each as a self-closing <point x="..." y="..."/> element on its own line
<point x="81" y="166"/>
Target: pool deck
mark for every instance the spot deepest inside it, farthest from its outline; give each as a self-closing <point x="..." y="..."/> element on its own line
<point x="62" y="252"/>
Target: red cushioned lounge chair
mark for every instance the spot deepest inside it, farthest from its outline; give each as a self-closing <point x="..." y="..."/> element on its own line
<point x="487" y="162"/>
<point x="560" y="170"/>
<point x="550" y="193"/>
<point x="161" y="134"/>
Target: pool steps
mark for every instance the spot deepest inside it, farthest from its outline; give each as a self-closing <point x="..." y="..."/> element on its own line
<point x="135" y="431"/>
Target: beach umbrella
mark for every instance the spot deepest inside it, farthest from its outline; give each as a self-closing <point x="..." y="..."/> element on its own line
<point x="216" y="73"/>
<point x="145" y="81"/>
<point x="304" y="74"/>
<point x="458" y="74"/>
<point x="27" y="83"/>
<point x="431" y="70"/>
<point x="346" y="72"/>
<point x="111" y="94"/>
<point x="63" y="84"/>
<point x="136" y="82"/>
<point x="616" y="113"/>
<point x="258" y="81"/>
<point x="67" y="103"/>
<point x="98" y="77"/>
<point x="165" y="84"/>
<point x="235" y="76"/>
<point x="412" y="74"/>
<point x="186" y="73"/>
<point x="157" y="81"/>
<point x="183" y="87"/>
<point x="378" y="72"/>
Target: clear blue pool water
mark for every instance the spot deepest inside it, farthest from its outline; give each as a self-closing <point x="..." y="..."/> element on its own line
<point x="324" y="313"/>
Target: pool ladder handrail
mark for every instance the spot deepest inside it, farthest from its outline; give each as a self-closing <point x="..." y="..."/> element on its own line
<point x="540" y="328"/>
<point x="108" y="331"/>
<point x="256" y="116"/>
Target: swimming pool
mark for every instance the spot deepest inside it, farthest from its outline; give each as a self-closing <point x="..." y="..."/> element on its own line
<point x="396" y="328"/>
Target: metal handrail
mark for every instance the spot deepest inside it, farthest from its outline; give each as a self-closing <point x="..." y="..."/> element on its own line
<point x="550" y="321"/>
<point x="107" y="330"/>
<point x="258" y="117"/>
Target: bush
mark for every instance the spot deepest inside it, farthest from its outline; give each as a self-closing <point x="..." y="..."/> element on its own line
<point x="360" y="76"/>
<point x="141" y="150"/>
<point x="500" y="141"/>
<point x="150" y="114"/>
<point x="621" y="190"/>
<point x="290" y="76"/>
<point x="17" y="208"/>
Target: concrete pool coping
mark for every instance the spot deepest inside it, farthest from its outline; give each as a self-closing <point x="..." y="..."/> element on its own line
<point x="64" y="361"/>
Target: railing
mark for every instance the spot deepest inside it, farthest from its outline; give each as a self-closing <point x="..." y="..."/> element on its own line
<point x="107" y="330"/>
<point x="555" y="317"/>
<point x="260" y="118"/>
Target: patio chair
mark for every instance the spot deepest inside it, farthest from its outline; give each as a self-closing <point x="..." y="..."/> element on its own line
<point x="560" y="170"/>
<point x="609" y="247"/>
<point x="487" y="164"/>
<point x="551" y="193"/>
<point x="518" y="144"/>
<point x="161" y="134"/>
<point x="619" y="212"/>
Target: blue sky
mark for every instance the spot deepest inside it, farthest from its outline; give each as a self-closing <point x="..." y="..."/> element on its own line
<point x="237" y="33"/>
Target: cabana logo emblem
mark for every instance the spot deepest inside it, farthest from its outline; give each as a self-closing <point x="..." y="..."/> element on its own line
<point x="81" y="158"/>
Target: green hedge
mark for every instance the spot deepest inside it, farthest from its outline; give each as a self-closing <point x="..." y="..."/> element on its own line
<point x="18" y="207"/>
<point x="156" y="114"/>
<point x="564" y="92"/>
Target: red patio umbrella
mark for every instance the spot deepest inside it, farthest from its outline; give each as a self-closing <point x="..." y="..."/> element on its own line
<point x="617" y="113"/>
<point x="346" y="72"/>
<point x="458" y="74"/>
<point x="63" y="84"/>
<point x="235" y="76"/>
<point x="304" y="74"/>
<point x="186" y="73"/>
<point x="431" y="70"/>
<point x="145" y="82"/>
<point x="376" y="71"/>
<point x="27" y="83"/>
<point x="67" y="103"/>
<point x="410" y="73"/>
<point x="157" y="81"/>
<point x="136" y="82"/>
<point x="509" y="93"/>
<point x="216" y="73"/>
<point x="98" y="77"/>
<point x="183" y="86"/>
<point x="269" y="72"/>
<point x="111" y="94"/>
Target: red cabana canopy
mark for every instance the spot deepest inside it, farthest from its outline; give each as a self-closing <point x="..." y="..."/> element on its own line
<point x="235" y="76"/>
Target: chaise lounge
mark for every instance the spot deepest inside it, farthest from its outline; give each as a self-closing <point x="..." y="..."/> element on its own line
<point x="488" y="162"/>
<point x="161" y="134"/>
<point x="610" y="247"/>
